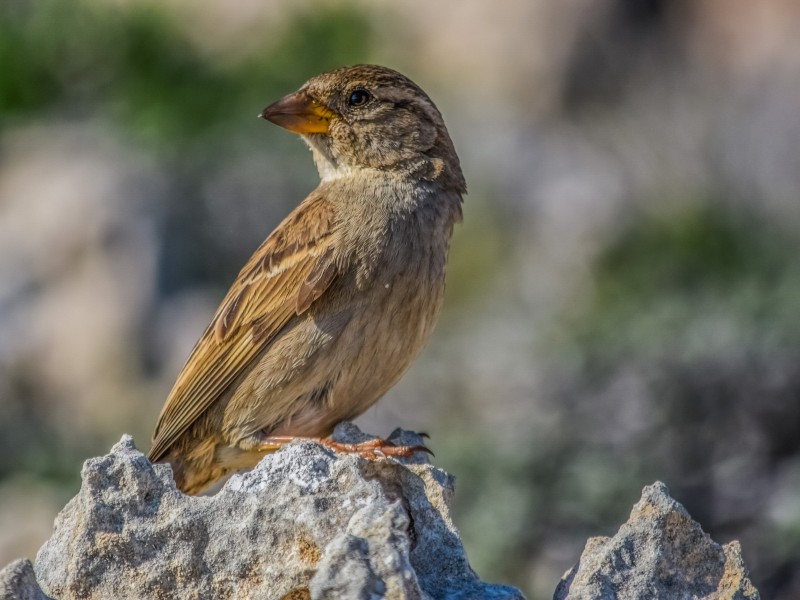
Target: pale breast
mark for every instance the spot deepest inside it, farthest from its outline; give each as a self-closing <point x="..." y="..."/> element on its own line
<point x="397" y="318"/>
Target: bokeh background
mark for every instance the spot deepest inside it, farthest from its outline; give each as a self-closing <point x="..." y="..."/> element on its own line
<point x="624" y="295"/>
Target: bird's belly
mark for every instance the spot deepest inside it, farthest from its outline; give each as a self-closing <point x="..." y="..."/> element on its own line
<point x="357" y="366"/>
<point x="381" y="344"/>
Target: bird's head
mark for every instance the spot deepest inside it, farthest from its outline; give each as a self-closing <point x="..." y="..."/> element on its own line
<point x="370" y="117"/>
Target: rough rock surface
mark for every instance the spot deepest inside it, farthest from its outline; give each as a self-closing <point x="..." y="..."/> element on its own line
<point x="18" y="582"/>
<point x="305" y="523"/>
<point x="659" y="553"/>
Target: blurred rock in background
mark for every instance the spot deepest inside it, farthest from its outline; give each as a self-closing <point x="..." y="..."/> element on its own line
<point x="624" y="295"/>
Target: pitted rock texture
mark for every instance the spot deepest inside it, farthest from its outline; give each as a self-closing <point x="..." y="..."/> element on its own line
<point x="18" y="582"/>
<point x="659" y="553"/>
<point x="305" y="523"/>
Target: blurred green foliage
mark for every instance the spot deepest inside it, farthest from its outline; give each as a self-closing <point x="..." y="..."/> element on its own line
<point x="476" y="255"/>
<point x="665" y="273"/>
<point x="134" y="65"/>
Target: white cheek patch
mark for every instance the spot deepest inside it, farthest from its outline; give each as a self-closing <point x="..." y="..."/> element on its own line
<point x="325" y="163"/>
<point x="327" y="166"/>
<point x="338" y="172"/>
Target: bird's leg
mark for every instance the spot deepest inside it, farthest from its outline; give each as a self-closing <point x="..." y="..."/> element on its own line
<point x="370" y="449"/>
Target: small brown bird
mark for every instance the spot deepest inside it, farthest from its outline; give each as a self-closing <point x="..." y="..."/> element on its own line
<point x="334" y="306"/>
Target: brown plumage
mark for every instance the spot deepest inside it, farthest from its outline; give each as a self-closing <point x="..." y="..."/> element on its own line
<point x="333" y="307"/>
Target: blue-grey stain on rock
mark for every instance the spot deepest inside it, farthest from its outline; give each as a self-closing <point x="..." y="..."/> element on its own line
<point x="305" y="523"/>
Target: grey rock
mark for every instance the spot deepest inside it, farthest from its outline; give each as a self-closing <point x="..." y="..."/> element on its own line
<point x="659" y="553"/>
<point x="18" y="582"/>
<point x="305" y="523"/>
<point x="370" y="560"/>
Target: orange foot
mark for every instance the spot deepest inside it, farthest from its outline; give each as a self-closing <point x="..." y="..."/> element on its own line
<point x="371" y="449"/>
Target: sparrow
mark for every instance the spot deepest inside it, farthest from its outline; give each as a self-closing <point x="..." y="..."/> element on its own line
<point x="334" y="306"/>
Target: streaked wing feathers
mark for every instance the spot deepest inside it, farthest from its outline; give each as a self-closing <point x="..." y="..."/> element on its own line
<point x="289" y="271"/>
<point x="317" y="281"/>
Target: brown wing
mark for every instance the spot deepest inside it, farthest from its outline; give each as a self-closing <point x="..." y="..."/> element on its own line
<point x="290" y="270"/>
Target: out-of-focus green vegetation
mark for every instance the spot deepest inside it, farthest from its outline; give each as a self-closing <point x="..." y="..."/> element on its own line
<point x="135" y="66"/>
<point x="665" y="277"/>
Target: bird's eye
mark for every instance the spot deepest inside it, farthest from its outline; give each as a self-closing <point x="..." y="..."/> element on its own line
<point x="359" y="98"/>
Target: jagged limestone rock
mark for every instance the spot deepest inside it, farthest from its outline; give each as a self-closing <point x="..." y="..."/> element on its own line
<point x="305" y="523"/>
<point x="659" y="553"/>
<point x="310" y="524"/>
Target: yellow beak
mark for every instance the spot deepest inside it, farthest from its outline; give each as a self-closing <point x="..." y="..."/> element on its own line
<point x="299" y="113"/>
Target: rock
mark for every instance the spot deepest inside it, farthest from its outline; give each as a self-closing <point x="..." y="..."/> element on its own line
<point x="305" y="523"/>
<point x="18" y="582"/>
<point x="659" y="553"/>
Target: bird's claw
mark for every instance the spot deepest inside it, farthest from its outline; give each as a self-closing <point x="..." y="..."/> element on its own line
<point x="370" y="449"/>
<point x="375" y="448"/>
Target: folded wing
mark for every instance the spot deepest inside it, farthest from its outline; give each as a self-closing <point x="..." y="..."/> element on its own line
<point x="284" y="277"/>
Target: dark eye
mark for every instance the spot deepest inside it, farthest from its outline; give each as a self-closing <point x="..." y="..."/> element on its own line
<point x="359" y="98"/>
